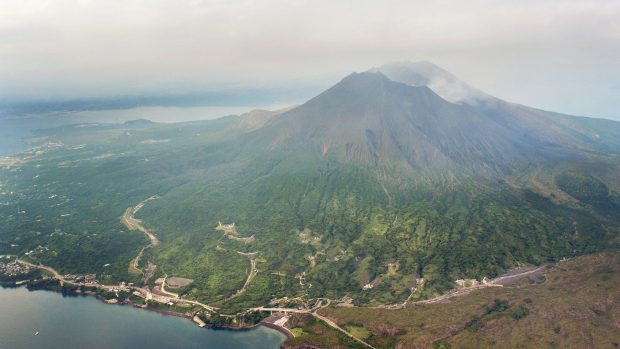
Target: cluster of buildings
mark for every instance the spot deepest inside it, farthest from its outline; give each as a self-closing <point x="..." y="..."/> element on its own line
<point x="150" y="296"/>
<point x="13" y="268"/>
<point x="39" y="249"/>
<point x="86" y="278"/>
<point x="471" y="282"/>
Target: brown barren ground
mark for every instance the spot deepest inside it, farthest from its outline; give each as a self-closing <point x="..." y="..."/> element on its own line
<point x="578" y="306"/>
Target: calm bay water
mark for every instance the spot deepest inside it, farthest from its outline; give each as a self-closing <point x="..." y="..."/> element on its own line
<point x="84" y="322"/>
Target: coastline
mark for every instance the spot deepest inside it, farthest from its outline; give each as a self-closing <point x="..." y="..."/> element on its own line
<point x="285" y="331"/>
<point x="82" y="322"/>
<point x="24" y="283"/>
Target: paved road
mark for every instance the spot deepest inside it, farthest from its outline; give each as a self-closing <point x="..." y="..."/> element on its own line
<point x="334" y="325"/>
<point x="251" y="275"/>
<point x="314" y="312"/>
<point x="282" y="310"/>
<point x="493" y="283"/>
<point x="50" y="269"/>
<point x="144" y="291"/>
<point x="205" y="306"/>
<point x="498" y="280"/>
<point x="163" y="290"/>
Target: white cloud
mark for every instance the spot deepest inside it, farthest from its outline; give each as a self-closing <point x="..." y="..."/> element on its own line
<point x="527" y="51"/>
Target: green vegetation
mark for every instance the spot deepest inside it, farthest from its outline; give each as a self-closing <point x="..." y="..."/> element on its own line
<point x="498" y="308"/>
<point x="583" y="187"/>
<point x="590" y="191"/>
<point x="11" y="279"/>
<point x="298" y="332"/>
<point x="359" y="332"/>
<point x="374" y="191"/>
<point x="575" y="308"/>
<point x="42" y="284"/>
<point x="318" y="334"/>
<point x="245" y="319"/>
<point x="337" y="224"/>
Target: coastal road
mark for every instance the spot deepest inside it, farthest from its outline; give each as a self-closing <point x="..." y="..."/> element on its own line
<point x="46" y="268"/>
<point x="497" y="282"/>
<point x="520" y="275"/>
<point x="62" y="279"/>
<point x="204" y="306"/>
<point x="282" y="310"/>
<point x="144" y="291"/>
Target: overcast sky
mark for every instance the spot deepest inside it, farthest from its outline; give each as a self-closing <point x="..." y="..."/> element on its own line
<point x="557" y="55"/>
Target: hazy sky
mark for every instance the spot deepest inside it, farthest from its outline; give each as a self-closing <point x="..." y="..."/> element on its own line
<point x="559" y="55"/>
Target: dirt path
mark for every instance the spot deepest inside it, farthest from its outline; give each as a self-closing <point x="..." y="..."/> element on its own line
<point x="133" y="224"/>
<point x="150" y="271"/>
<point x="142" y="290"/>
<point x="251" y="275"/>
<point x="134" y="265"/>
<point x="253" y="271"/>
<point x="163" y="290"/>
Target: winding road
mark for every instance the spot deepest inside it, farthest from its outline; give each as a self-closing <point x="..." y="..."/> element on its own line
<point x="132" y="223"/>
<point x="253" y="271"/>
<point x="142" y="290"/>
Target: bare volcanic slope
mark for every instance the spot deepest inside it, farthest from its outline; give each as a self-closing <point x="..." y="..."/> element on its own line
<point x="369" y="119"/>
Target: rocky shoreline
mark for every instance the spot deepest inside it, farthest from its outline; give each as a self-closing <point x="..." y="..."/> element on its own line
<point x="189" y="316"/>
